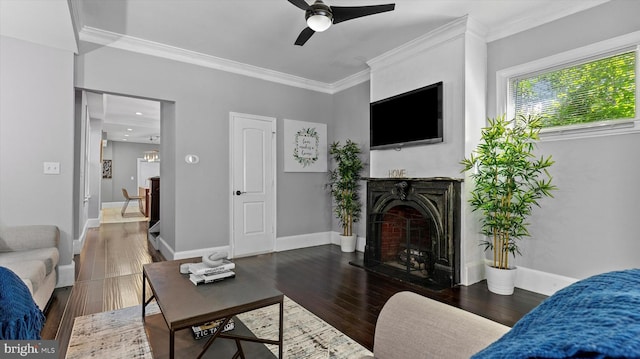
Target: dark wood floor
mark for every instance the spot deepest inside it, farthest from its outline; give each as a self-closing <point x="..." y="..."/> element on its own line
<point x="318" y="278"/>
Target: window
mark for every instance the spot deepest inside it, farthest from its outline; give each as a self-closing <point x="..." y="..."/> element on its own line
<point x="596" y="90"/>
<point x="556" y="86"/>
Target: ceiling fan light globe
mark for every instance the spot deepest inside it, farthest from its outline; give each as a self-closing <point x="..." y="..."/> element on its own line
<point x="318" y="23"/>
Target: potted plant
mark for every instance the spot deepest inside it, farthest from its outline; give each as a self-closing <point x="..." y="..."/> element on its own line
<point x="344" y="186"/>
<point x="509" y="181"/>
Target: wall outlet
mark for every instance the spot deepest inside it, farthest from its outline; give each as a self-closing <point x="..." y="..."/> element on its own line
<point x="52" y="168"/>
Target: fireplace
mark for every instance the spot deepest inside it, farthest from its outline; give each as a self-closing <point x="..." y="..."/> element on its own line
<point x="413" y="230"/>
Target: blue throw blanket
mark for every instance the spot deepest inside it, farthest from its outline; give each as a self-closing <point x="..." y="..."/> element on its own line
<point x="598" y="317"/>
<point x="20" y="317"/>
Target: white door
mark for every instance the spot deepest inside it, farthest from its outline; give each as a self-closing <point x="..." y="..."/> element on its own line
<point x="252" y="184"/>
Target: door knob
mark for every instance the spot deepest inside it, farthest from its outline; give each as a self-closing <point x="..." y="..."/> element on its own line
<point x="239" y="193"/>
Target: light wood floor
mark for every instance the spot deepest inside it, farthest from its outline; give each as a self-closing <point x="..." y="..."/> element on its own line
<point x="108" y="277"/>
<point x="114" y="214"/>
<point x="318" y="278"/>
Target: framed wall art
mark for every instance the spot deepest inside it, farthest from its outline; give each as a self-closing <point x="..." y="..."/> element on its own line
<point x="305" y="146"/>
<point x="106" y="168"/>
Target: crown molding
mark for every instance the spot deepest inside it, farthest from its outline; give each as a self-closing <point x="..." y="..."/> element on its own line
<point x="134" y="44"/>
<point x="347" y="82"/>
<point x="447" y="32"/>
<point x="526" y="21"/>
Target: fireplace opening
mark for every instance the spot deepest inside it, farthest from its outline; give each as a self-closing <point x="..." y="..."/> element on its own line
<point x="405" y="241"/>
<point x="413" y="230"/>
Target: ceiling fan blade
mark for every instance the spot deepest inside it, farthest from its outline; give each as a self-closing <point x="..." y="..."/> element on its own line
<point x="304" y="36"/>
<point x="300" y="4"/>
<point x="344" y="13"/>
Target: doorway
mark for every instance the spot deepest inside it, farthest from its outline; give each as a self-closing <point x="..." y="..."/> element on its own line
<point x="127" y="128"/>
<point x="253" y="184"/>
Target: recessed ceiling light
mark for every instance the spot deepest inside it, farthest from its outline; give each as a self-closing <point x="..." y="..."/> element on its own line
<point x="129" y="129"/>
<point x="124" y="139"/>
<point x="126" y="135"/>
<point x="139" y="113"/>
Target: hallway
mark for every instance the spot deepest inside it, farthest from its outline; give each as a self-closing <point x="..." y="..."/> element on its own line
<point x="108" y="277"/>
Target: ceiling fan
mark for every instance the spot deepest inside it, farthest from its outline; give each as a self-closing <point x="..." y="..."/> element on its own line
<point x="320" y="16"/>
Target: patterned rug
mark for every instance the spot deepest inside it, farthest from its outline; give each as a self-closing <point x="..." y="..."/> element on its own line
<point x="121" y="334"/>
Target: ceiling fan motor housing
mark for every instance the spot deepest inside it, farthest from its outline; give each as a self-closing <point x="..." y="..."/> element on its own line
<point x="320" y="17"/>
<point x="319" y="8"/>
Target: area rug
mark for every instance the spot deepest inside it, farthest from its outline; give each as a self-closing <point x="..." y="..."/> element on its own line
<point x="121" y="334"/>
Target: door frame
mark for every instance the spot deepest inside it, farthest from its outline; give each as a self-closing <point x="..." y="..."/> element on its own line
<point x="274" y="146"/>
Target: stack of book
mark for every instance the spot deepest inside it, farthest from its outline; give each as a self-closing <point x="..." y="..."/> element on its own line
<point x="210" y="328"/>
<point x="200" y="273"/>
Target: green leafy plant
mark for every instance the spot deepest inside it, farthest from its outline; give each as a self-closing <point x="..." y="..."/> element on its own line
<point x="344" y="183"/>
<point x="603" y="89"/>
<point x="509" y="181"/>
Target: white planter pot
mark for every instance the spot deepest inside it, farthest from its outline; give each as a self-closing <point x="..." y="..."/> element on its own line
<point x="348" y="243"/>
<point x="500" y="281"/>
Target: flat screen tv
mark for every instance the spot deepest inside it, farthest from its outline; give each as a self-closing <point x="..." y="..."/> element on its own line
<point x="408" y="119"/>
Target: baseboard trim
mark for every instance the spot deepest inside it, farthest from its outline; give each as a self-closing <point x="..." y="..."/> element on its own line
<point x="200" y="252"/>
<point x="541" y="282"/>
<point x="528" y="279"/>
<point x="66" y="275"/>
<point x="302" y="241"/>
<point x="170" y="254"/>
<point x="154" y="241"/>
<point x="112" y="204"/>
<point x="166" y="251"/>
<point x="314" y="239"/>
<point x="360" y="241"/>
<point x="93" y="222"/>
<point x="473" y="273"/>
<point x="79" y="243"/>
<point x="282" y="244"/>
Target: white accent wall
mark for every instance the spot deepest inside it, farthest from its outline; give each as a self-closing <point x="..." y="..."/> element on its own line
<point x="456" y="55"/>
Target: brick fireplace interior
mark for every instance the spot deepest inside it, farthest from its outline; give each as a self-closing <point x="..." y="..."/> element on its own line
<point x="405" y="240"/>
<point x="413" y="230"/>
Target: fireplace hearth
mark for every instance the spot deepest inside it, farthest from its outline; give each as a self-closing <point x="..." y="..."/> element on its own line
<point x="413" y="230"/>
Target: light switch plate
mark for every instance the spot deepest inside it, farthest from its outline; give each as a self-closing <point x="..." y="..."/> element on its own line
<point x="52" y="168"/>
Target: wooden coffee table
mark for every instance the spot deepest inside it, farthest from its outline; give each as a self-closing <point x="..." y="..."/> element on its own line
<point x="184" y="304"/>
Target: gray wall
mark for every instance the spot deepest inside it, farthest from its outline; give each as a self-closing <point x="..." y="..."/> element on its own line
<point x="203" y="98"/>
<point x="95" y="169"/>
<point x="351" y="121"/>
<point x="592" y="224"/>
<point x="124" y="157"/>
<point x="80" y="205"/>
<point x="106" y="184"/>
<point x="37" y="126"/>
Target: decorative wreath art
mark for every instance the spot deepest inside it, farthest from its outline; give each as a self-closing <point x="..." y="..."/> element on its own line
<point x="305" y="152"/>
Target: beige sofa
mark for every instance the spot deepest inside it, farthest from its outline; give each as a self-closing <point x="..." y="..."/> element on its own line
<point x="32" y="253"/>
<point x="596" y="317"/>
<point x="413" y="326"/>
